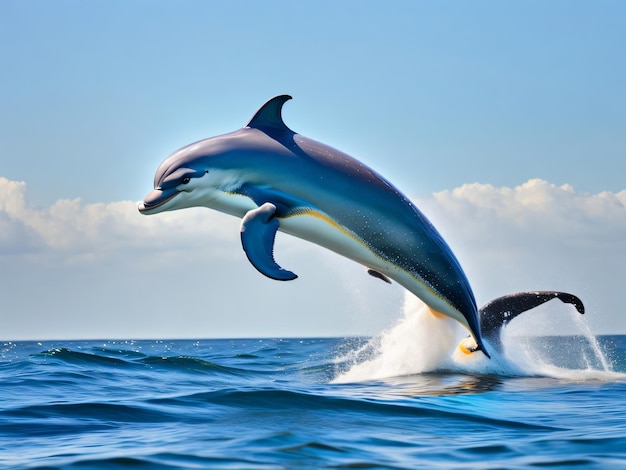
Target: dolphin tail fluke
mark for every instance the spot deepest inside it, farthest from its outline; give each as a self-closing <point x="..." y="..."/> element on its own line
<point x="499" y="312"/>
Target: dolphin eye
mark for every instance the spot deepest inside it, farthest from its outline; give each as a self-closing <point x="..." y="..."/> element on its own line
<point x="186" y="180"/>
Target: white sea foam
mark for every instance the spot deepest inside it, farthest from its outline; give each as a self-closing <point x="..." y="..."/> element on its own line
<point x="421" y="343"/>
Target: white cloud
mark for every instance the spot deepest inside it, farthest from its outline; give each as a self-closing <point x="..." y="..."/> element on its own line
<point x="537" y="204"/>
<point x="72" y="229"/>
<point x="105" y="270"/>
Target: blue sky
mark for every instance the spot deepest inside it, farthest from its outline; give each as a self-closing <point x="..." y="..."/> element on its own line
<point x="433" y="95"/>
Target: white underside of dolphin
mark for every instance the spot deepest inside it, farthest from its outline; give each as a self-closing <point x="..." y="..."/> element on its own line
<point x="319" y="228"/>
<point x="275" y="179"/>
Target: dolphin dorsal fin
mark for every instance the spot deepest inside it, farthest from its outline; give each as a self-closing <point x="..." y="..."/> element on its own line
<point x="269" y="116"/>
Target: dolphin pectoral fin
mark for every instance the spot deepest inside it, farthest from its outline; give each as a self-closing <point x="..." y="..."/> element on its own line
<point x="258" y="232"/>
<point x="378" y="275"/>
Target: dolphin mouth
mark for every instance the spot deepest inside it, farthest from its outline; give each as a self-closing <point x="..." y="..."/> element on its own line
<point x="157" y="198"/>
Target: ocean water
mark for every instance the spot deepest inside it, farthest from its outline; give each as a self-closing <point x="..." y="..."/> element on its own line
<point x="406" y="399"/>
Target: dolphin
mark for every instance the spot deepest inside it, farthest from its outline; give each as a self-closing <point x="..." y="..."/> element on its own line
<point x="276" y="179"/>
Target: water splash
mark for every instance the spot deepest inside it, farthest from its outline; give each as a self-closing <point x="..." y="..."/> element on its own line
<point x="418" y="343"/>
<point x="598" y="355"/>
<point x="576" y="357"/>
<point x="421" y="343"/>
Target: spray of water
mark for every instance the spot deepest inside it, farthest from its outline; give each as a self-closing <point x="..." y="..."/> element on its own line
<point x="596" y="352"/>
<point x="420" y="343"/>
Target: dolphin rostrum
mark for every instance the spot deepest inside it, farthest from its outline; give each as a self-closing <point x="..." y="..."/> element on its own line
<point x="276" y="179"/>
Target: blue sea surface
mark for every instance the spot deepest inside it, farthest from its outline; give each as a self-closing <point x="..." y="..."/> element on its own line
<point x="308" y="403"/>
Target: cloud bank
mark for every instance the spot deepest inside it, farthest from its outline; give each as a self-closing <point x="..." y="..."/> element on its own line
<point x="73" y="268"/>
<point x="73" y="229"/>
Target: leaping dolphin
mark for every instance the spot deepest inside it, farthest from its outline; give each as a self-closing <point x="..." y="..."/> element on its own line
<point x="276" y="179"/>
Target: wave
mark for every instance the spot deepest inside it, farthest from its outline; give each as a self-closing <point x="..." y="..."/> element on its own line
<point x="316" y="402"/>
<point x="188" y="364"/>
<point x="159" y="461"/>
<point x="200" y="406"/>
<point x="71" y="356"/>
<point x="105" y="358"/>
<point x="98" y="412"/>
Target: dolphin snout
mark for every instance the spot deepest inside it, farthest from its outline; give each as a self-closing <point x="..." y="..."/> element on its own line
<point x="157" y="198"/>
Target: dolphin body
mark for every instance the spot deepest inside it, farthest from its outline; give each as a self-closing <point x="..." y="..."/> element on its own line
<point x="275" y="179"/>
